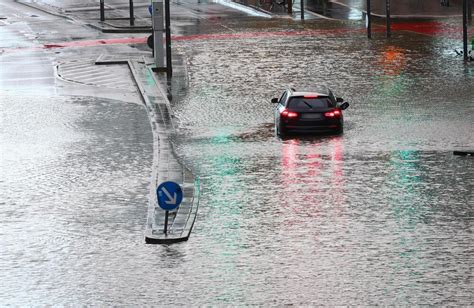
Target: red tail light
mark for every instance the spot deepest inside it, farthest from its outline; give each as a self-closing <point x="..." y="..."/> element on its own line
<point x="289" y="114"/>
<point x="336" y="113"/>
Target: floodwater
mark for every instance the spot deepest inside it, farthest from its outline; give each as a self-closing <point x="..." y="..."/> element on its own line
<point x="381" y="215"/>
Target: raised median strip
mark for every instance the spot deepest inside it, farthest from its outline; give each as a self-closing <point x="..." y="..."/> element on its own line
<point x="166" y="165"/>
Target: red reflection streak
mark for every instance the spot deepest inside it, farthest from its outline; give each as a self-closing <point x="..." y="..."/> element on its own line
<point x="289" y="161"/>
<point x="306" y="184"/>
<point x="313" y="163"/>
<point x="214" y="36"/>
<point x="427" y="27"/>
<point x="337" y="179"/>
<point x="393" y="61"/>
<point x="291" y="178"/>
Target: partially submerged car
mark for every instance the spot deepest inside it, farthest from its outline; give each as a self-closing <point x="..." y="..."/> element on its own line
<point x="312" y="111"/>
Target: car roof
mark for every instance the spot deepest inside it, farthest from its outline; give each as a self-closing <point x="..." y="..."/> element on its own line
<point x="319" y="91"/>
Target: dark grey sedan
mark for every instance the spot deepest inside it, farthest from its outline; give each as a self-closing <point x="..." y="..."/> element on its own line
<point x="314" y="111"/>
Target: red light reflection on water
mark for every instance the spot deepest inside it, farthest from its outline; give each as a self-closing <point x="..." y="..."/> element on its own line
<point x="392" y="61"/>
<point x="431" y="28"/>
<point x="312" y="175"/>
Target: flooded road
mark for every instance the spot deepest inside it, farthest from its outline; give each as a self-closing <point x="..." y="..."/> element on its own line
<point x="74" y="187"/>
<point x="379" y="215"/>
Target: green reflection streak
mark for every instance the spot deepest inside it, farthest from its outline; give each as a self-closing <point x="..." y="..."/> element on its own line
<point x="391" y="86"/>
<point x="405" y="201"/>
<point x="226" y="202"/>
<point x="405" y="180"/>
<point x="149" y="78"/>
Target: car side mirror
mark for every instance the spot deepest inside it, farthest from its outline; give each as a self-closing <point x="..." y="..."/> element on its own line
<point x="339" y="100"/>
<point x="274" y="100"/>
<point x="344" y="106"/>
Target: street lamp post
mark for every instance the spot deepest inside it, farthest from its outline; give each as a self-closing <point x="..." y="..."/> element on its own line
<point x="102" y="10"/>
<point x="169" y="68"/>
<point x="302" y="9"/>
<point x="387" y="8"/>
<point x="464" y="29"/>
<point x="132" y="17"/>
<point x="369" y="21"/>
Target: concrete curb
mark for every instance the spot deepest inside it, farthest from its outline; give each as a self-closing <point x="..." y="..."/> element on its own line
<point x="119" y="30"/>
<point x="42" y="9"/>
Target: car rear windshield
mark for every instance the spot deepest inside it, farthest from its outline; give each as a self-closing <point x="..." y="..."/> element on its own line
<point x="302" y="103"/>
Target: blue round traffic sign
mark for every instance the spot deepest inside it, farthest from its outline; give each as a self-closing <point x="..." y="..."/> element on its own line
<point x="169" y="195"/>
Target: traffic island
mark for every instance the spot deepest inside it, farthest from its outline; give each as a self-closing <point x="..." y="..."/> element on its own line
<point x="166" y="165"/>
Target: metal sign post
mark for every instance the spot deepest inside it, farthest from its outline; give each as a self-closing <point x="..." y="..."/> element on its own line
<point x="369" y="21"/>
<point x="302" y="8"/>
<point x="102" y="10"/>
<point x="387" y="7"/>
<point x="165" y="229"/>
<point x="464" y="29"/>
<point x="132" y="15"/>
<point x="169" y="68"/>
<point x="157" y="22"/>
<point x="169" y="195"/>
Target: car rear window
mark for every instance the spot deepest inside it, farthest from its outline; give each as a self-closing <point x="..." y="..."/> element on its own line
<point x="302" y="103"/>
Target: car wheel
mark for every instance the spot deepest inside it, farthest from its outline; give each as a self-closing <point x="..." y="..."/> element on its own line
<point x="340" y="130"/>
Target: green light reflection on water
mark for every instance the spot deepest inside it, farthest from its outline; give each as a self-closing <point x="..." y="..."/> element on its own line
<point x="405" y="179"/>
<point x="408" y="207"/>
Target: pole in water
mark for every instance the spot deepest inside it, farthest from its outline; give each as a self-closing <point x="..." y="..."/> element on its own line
<point x="132" y="17"/>
<point x="464" y="29"/>
<point x="302" y="9"/>
<point x="169" y="68"/>
<point x="102" y="11"/>
<point x="387" y="7"/>
<point x="165" y="231"/>
<point x="369" y="21"/>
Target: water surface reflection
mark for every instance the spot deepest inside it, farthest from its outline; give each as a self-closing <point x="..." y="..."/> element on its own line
<point x="379" y="215"/>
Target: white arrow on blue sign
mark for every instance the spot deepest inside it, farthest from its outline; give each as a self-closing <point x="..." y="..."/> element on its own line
<point x="169" y="195"/>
